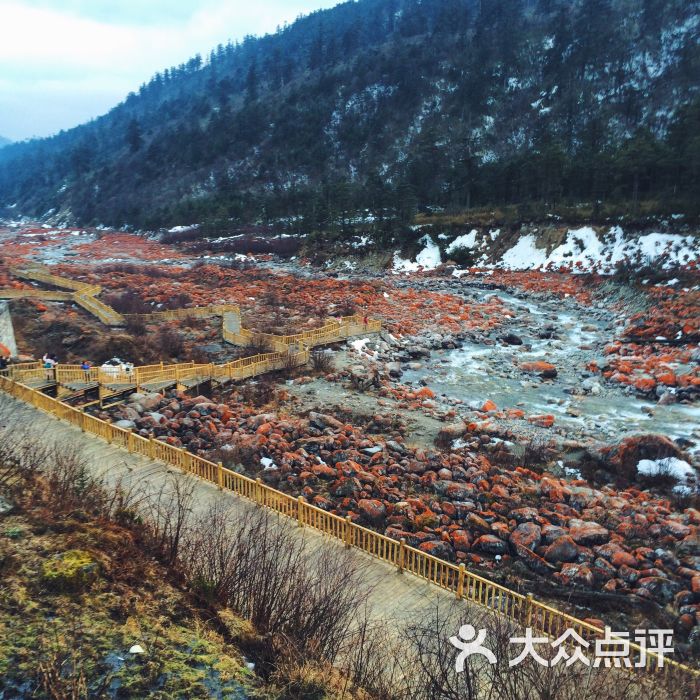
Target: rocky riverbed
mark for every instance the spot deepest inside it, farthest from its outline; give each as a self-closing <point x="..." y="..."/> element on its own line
<point x="499" y="445"/>
<point x="504" y="421"/>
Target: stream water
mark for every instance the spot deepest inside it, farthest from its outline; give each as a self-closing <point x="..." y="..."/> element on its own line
<point x="477" y="371"/>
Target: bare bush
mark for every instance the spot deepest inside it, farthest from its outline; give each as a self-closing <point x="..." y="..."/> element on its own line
<point x="21" y="457"/>
<point x="128" y="302"/>
<point x="258" y="392"/>
<point x="322" y="361"/>
<point x="133" y="269"/>
<point x="259" y="345"/>
<point x="167" y="515"/>
<point x="70" y="484"/>
<point x="258" y="565"/>
<point x="135" y="325"/>
<point x="181" y="300"/>
<point x="170" y="342"/>
<point x="347" y="308"/>
<point x="430" y="673"/>
<point x="194" y="322"/>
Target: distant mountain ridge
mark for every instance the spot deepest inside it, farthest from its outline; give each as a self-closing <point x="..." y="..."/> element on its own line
<point x="389" y="106"/>
<point x="4" y="141"/>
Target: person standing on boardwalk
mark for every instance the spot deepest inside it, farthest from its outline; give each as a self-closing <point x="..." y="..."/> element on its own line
<point x="86" y="366"/>
<point x="50" y="363"/>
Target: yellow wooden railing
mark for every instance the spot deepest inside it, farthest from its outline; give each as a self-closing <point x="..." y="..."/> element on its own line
<point x="36" y="294"/>
<point x="194" y="312"/>
<point x="40" y="274"/>
<point x="466" y="585"/>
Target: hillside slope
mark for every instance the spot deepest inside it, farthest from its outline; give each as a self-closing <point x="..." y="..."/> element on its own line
<point x="392" y="105"/>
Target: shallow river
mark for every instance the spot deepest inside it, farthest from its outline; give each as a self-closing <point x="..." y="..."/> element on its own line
<point x="476" y="372"/>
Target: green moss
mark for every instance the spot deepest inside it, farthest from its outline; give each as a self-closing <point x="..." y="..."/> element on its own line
<point x="73" y="570"/>
<point x="14" y="533"/>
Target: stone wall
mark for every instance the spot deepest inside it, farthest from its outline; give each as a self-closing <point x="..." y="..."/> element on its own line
<point x="7" y="333"/>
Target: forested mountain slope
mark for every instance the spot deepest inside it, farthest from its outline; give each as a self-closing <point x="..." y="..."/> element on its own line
<point x="392" y="105"/>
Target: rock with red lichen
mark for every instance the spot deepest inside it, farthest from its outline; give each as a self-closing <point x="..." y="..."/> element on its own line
<point x="588" y="533"/>
<point x="526" y="534"/>
<point x="563" y="549"/>
<point x="439" y="549"/>
<point x="576" y="575"/>
<point x="546" y="370"/>
<point x="372" y="510"/>
<point x="490" y="544"/>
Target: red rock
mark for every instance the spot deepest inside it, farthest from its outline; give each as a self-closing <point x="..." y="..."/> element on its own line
<point x="624" y="456"/>
<point x="588" y="533"/>
<point x="372" y="510"/>
<point x="667" y="379"/>
<point x="442" y="550"/>
<point x="543" y="421"/>
<point x="645" y="384"/>
<point x="686" y="622"/>
<point x="578" y="574"/>
<point x="544" y="369"/>
<point x="427" y="519"/>
<point x="628" y="574"/>
<point x="476" y="522"/>
<point x="425" y="393"/>
<point x="451" y="432"/>
<point x="660" y="588"/>
<point x="527" y="514"/>
<point x="533" y="561"/>
<point x="676" y="529"/>
<point x="527" y="535"/>
<point x="489" y="406"/>
<point x="563" y="549"/>
<point x="490" y="544"/>
<point x="620" y="558"/>
<point x="461" y="541"/>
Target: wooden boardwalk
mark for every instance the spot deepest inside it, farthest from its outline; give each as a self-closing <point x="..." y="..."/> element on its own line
<point x="395" y="598"/>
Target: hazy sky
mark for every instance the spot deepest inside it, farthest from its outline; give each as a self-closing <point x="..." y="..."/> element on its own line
<point x="65" y="61"/>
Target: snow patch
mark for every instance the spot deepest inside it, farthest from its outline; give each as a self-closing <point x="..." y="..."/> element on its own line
<point x="428" y="259"/>
<point x="524" y="255"/>
<point x="467" y="240"/>
<point x="674" y="467"/>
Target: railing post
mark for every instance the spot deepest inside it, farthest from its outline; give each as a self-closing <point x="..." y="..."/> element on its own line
<point x="220" y="475"/>
<point x="402" y="554"/>
<point x="348" y="532"/>
<point x="300" y="510"/>
<point x="81" y="422"/>
<point x="151" y="448"/>
<point x="460" y="581"/>
<point x="528" y="610"/>
<point x="258" y="491"/>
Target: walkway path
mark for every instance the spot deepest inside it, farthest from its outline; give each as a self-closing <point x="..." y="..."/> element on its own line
<point x="394" y="597"/>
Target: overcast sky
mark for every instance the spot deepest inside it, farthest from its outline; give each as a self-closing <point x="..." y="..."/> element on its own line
<point x="65" y="61"/>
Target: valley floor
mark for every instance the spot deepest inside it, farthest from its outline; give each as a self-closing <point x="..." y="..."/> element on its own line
<point x="539" y="427"/>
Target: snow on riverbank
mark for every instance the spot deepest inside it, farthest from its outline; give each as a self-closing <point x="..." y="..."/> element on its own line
<point x="428" y="259"/>
<point x="585" y="250"/>
<point x="582" y="250"/>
